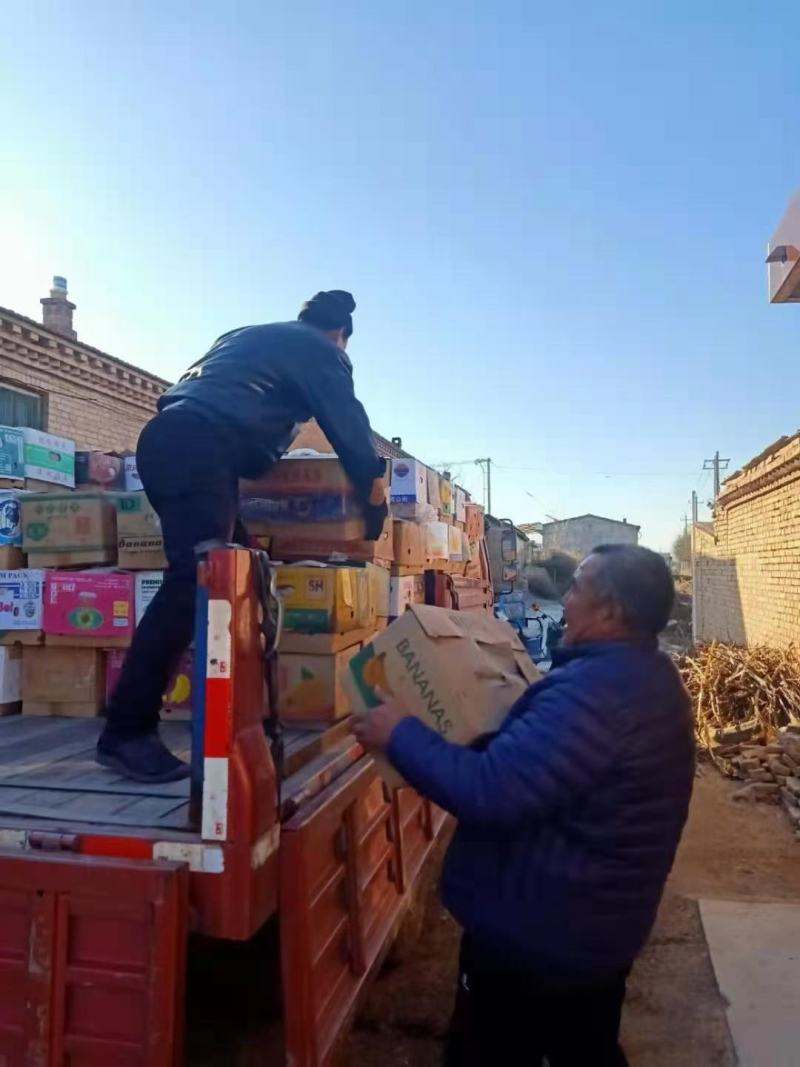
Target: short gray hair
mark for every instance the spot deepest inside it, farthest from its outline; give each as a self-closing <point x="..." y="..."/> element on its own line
<point x="639" y="582"/>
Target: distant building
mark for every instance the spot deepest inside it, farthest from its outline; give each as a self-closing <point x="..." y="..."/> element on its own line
<point x="578" y="536"/>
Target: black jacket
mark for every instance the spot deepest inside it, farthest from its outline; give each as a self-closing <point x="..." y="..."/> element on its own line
<point x="261" y="382"/>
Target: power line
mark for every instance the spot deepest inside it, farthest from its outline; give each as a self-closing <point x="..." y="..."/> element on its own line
<point x="603" y="474"/>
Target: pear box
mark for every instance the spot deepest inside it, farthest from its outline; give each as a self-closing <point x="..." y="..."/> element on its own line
<point x="459" y="672"/>
<point x="69" y="529"/>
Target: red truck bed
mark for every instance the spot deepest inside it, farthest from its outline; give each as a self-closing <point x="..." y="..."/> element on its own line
<point x="101" y="878"/>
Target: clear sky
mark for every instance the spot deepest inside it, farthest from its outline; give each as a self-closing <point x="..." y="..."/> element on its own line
<point x="553" y="216"/>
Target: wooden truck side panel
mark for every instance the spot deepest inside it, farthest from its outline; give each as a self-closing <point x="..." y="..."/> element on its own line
<point x="92" y="961"/>
<point x="348" y="862"/>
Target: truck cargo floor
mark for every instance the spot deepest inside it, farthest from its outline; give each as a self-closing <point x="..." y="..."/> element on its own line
<point x="47" y="771"/>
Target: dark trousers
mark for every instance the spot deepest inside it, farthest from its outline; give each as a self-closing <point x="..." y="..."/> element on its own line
<point x="509" y="1018"/>
<point x="189" y="473"/>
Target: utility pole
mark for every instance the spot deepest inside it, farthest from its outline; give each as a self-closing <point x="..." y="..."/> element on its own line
<point x="488" y="470"/>
<point x="715" y="464"/>
<point x="694" y="565"/>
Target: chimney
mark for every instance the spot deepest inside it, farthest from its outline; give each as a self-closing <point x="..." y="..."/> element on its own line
<point x="57" y="310"/>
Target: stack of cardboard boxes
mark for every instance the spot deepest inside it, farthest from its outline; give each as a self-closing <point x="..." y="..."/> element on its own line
<point x="81" y="556"/>
<point x="69" y="595"/>
<point x="334" y="585"/>
<point x="338" y="590"/>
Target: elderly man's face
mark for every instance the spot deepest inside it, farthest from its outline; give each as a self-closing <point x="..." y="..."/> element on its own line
<point x="588" y="618"/>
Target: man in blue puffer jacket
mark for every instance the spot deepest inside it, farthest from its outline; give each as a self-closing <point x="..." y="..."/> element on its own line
<point x="568" y="822"/>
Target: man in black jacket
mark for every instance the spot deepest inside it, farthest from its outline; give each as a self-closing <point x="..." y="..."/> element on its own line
<point x="232" y="415"/>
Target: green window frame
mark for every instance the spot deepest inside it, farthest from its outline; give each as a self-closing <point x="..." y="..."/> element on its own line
<point x="18" y="407"/>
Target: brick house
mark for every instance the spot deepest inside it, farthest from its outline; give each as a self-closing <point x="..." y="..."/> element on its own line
<point x="52" y="381"/>
<point x="747" y="582"/>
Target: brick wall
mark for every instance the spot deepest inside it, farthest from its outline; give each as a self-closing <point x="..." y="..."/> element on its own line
<point x="748" y="592"/>
<point x="90" y="397"/>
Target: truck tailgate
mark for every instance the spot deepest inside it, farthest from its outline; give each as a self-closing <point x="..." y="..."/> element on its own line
<point x="92" y="961"/>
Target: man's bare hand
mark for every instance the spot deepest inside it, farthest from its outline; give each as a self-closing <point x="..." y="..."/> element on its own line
<point x="374" y="730"/>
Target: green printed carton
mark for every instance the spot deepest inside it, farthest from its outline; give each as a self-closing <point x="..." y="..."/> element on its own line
<point x="49" y="458"/>
<point x="459" y="672"/>
<point x="12" y="454"/>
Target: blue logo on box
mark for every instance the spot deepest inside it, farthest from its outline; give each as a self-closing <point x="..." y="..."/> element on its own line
<point x="9" y="521"/>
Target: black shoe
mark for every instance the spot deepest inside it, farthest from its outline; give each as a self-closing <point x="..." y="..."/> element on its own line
<point x="145" y="758"/>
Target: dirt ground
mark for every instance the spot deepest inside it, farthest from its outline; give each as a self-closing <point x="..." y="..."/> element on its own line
<point x="674" y="1014"/>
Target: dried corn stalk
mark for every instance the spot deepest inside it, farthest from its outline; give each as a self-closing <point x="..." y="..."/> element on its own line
<point x="748" y="690"/>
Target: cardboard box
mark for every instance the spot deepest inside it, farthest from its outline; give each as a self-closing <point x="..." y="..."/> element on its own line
<point x="11" y="517"/>
<point x="62" y="681"/>
<point x="334" y="516"/>
<point x="457" y="671"/>
<point x="89" y="605"/>
<point x="446" y="496"/>
<point x="434" y="497"/>
<point x="140" y="543"/>
<point x="306" y="495"/>
<point x="323" y="644"/>
<point x="69" y="529"/>
<point x="49" y="458"/>
<point x="311" y="688"/>
<point x="454" y="544"/>
<point x="10" y="680"/>
<point x="379" y="591"/>
<point x="133" y="483"/>
<point x="147" y="584"/>
<point x="11" y="558"/>
<point x="405" y="591"/>
<point x="409" y="544"/>
<point x="177" y="701"/>
<point x="300" y="473"/>
<point x="12" y="454"/>
<point x="474" y="522"/>
<point x="409" y="482"/>
<point x="21" y="600"/>
<point x="459" y="504"/>
<point x="291" y="548"/>
<point x="102" y="470"/>
<point x="262" y="528"/>
<point x="324" y="598"/>
<point x="437" y="540"/>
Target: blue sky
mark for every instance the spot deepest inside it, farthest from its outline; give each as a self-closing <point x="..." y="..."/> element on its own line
<point x="553" y="217"/>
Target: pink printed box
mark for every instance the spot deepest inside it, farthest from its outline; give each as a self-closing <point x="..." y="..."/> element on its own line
<point x="89" y="607"/>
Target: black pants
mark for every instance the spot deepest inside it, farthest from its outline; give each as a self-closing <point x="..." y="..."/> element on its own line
<point x="507" y="1018"/>
<point x="189" y="473"/>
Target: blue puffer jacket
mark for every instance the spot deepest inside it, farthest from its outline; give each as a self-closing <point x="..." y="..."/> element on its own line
<point x="570" y="816"/>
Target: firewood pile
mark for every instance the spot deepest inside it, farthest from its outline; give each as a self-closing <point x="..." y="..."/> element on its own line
<point x="747" y="715"/>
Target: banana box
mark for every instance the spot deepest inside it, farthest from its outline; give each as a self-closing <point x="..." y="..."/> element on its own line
<point x="457" y="671"/>
<point x="325" y="598"/>
<point x="177" y="701"/>
<point x="310" y="686"/>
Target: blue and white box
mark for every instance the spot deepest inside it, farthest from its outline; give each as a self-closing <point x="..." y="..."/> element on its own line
<point x="409" y="482"/>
